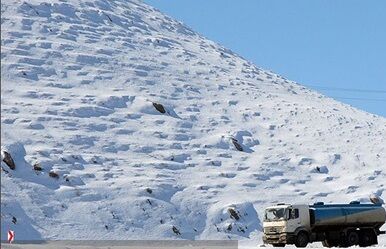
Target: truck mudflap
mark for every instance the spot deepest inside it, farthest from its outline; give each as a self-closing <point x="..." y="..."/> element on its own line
<point x="282" y="238"/>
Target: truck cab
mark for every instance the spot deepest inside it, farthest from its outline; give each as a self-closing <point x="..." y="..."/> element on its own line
<point x="283" y="223"/>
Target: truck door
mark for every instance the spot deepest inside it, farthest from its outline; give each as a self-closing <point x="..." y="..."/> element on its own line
<point x="293" y="220"/>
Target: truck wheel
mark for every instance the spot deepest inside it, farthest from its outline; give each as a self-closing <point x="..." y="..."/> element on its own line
<point x="278" y="245"/>
<point x="367" y="238"/>
<point x="301" y="240"/>
<point x="352" y="238"/>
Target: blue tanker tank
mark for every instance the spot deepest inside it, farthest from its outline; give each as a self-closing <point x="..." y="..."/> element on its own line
<point x="353" y="214"/>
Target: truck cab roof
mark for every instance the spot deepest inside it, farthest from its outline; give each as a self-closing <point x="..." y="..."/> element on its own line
<point x="282" y="205"/>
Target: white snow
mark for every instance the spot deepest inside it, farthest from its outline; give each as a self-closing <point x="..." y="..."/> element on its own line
<point x="78" y="83"/>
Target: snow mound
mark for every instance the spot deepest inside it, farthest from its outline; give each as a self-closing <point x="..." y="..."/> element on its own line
<point x="235" y="221"/>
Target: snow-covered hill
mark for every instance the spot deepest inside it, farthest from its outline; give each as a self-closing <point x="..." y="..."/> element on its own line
<point x="125" y="124"/>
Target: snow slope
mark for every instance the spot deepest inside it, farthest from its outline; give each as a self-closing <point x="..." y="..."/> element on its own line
<point x="78" y="83"/>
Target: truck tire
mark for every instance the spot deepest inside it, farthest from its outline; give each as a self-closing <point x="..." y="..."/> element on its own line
<point x="367" y="238"/>
<point x="278" y="245"/>
<point x="301" y="239"/>
<point x="352" y="238"/>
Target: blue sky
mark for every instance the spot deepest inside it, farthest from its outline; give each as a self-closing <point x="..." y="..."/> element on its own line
<point x="336" y="47"/>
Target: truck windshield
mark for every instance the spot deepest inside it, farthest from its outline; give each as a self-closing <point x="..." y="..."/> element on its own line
<point x="273" y="214"/>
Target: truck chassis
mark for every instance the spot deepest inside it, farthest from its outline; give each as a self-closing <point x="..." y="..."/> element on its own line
<point x="349" y="236"/>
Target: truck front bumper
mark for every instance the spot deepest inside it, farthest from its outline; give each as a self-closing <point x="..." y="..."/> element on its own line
<point x="279" y="238"/>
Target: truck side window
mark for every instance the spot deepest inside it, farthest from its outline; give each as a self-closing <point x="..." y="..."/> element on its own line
<point x="294" y="213"/>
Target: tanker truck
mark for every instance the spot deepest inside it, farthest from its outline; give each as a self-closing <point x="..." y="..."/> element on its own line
<point x="340" y="225"/>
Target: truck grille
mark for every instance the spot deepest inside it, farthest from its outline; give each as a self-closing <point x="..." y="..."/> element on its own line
<point x="272" y="230"/>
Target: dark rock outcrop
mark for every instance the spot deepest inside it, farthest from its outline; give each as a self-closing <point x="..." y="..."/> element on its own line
<point x="159" y="107"/>
<point x="233" y="214"/>
<point x="176" y="231"/>
<point x="53" y="174"/>
<point x="8" y="160"/>
<point x="37" y="167"/>
<point x="237" y="145"/>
